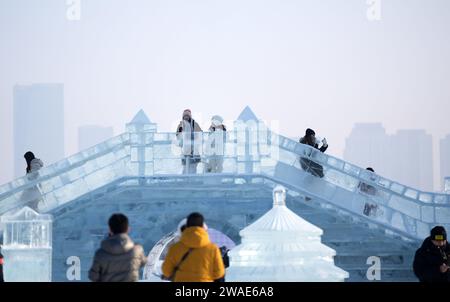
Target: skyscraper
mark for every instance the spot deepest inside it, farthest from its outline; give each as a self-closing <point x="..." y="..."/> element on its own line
<point x="445" y="159"/>
<point x="405" y="157"/>
<point x="38" y="123"/>
<point x="367" y="146"/>
<point x="412" y="152"/>
<point x="92" y="135"/>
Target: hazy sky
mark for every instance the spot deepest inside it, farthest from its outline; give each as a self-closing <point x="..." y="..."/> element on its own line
<point x="315" y="63"/>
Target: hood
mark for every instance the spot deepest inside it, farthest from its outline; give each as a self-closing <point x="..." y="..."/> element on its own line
<point x="187" y="112"/>
<point x="427" y="243"/>
<point x="117" y="244"/>
<point x="195" y="237"/>
<point x="216" y="120"/>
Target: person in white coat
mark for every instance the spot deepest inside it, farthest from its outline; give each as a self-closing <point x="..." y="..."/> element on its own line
<point x="32" y="195"/>
<point x="216" y="145"/>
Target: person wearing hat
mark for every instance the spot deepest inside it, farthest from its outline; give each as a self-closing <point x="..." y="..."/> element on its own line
<point x="188" y="136"/>
<point x="432" y="259"/>
<point x="307" y="164"/>
<point x="216" y="145"/>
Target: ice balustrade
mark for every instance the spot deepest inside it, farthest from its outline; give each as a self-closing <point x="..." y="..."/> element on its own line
<point x="246" y="150"/>
<point x="371" y="196"/>
<point x="68" y="179"/>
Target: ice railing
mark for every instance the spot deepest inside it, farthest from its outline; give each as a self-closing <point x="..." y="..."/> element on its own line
<point x="384" y="201"/>
<point x="69" y="178"/>
<point x="245" y="151"/>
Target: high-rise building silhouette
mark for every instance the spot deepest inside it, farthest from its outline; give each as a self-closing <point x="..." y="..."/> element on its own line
<point x="38" y="123"/>
<point x="405" y="157"/>
<point x="445" y="159"/>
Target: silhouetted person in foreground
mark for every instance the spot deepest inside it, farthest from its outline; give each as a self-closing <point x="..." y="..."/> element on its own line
<point x="194" y="258"/>
<point x="119" y="259"/>
<point x="432" y="259"/>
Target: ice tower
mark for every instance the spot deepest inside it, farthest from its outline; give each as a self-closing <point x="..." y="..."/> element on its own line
<point x="281" y="246"/>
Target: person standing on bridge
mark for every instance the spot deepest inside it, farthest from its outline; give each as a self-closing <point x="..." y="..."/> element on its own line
<point x="119" y="259"/>
<point x="32" y="195"/>
<point x="189" y="138"/>
<point x="194" y="258"/>
<point x="432" y="259"/>
<point x="307" y="164"/>
<point x="33" y="164"/>
<point x="216" y="145"/>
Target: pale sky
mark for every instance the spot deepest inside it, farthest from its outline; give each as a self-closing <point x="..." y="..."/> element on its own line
<point x="317" y="63"/>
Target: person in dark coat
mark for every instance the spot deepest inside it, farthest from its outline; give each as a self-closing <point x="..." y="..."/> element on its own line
<point x="119" y="259"/>
<point x="307" y="164"/>
<point x="431" y="261"/>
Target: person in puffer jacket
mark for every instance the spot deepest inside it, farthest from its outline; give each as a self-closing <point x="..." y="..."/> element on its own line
<point x="119" y="259"/>
<point x="194" y="258"/>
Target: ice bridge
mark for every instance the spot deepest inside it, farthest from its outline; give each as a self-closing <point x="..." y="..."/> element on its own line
<point x="139" y="173"/>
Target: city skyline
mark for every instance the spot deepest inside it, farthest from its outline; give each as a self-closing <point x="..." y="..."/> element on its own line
<point x="405" y="156"/>
<point x="323" y="65"/>
<point x="372" y="150"/>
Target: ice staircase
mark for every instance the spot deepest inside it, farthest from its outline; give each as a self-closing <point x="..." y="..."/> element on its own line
<point x="126" y="172"/>
<point x="229" y="205"/>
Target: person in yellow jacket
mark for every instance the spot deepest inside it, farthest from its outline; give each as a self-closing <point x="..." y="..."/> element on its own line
<point x="194" y="258"/>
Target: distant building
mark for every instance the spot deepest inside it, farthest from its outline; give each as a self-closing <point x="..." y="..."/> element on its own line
<point x="412" y="152"/>
<point x="367" y="146"/>
<point x="38" y="123"/>
<point x="445" y="160"/>
<point x="92" y="135"/>
<point x="405" y="157"/>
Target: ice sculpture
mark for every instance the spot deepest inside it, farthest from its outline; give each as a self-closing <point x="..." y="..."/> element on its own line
<point x="27" y="246"/>
<point x="281" y="246"/>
